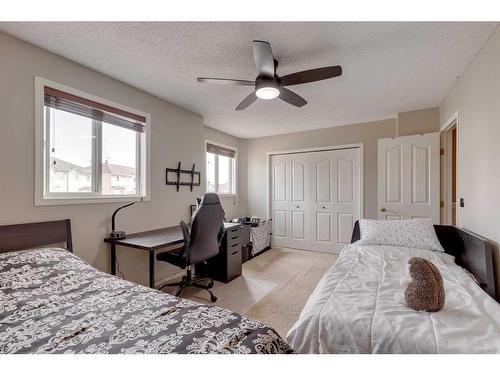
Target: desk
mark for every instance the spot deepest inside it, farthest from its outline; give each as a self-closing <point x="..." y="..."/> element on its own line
<point x="150" y="241"/>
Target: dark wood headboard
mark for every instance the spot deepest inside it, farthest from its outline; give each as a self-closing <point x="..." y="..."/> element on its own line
<point x="25" y="236"/>
<point x="471" y="251"/>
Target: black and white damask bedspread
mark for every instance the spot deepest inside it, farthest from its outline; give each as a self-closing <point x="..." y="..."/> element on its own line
<point x="51" y="301"/>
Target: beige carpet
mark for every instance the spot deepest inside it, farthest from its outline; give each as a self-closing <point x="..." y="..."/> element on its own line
<point x="297" y="273"/>
<point x="273" y="288"/>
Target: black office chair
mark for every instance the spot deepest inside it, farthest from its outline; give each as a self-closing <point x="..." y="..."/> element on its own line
<point x="200" y="243"/>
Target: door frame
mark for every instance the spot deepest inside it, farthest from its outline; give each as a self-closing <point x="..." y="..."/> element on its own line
<point x="313" y="149"/>
<point x="452" y="121"/>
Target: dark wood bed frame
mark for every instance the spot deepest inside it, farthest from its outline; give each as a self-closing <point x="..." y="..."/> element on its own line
<point x="471" y="251"/>
<point x="25" y="236"/>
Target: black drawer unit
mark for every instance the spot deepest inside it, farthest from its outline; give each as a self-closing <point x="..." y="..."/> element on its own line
<point x="233" y="263"/>
<point x="245" y="243"/>
<point x="233" y="237"/>
<point x="225" y="266"/>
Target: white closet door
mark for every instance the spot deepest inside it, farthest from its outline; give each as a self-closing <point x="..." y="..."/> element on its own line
<point x="408" y="177"/>
<point x="280" y="199"/>
<point x="290" y="200"/>
<point x="335" y="198"/>
<point x="322" y="193"/>
<point x="347" y="208"/>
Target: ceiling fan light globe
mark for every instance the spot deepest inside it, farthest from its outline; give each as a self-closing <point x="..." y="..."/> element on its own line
<point x="267" y="92"/>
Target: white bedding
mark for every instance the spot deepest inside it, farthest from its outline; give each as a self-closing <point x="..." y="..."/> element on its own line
<point x="358" y="307"/>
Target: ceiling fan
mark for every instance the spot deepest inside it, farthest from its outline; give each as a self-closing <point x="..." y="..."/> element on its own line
<point x="268" y="85"/>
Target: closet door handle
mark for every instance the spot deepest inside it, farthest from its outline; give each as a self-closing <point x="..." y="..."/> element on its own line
<point x="323" y="207"/>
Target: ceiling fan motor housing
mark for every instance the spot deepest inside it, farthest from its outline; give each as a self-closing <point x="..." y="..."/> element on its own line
<point x="262" y="82"/>
<point x="267" y="88"/>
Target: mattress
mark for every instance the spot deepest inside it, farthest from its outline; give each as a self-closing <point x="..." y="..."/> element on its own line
<point x="51" y="301"/>
<point x="358" y="307"/>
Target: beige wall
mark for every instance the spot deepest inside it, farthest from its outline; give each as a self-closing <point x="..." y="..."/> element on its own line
<point x="418" y="122"/>
<point x="476" y="97"/>
<point x="19" y="63"/>
<point x="366" y="133"/>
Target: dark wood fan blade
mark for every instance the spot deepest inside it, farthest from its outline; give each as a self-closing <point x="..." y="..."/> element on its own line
<point x="263" y="56"/>
<point x="291" y="97"/>
<point x="223" y="81"/>
<point x="311" y="75"/>
<point x="247" y="101"/>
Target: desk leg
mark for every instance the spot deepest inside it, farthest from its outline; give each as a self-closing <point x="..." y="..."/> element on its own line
<point x="113" y="258"/>
<point x="152" y="269"/>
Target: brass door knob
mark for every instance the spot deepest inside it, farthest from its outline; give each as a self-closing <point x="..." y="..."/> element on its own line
<point x="382" y="209"/>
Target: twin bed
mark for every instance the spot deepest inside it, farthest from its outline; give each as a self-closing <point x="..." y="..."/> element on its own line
<point x="53" y="302"/>
<point x="359" y="306"/>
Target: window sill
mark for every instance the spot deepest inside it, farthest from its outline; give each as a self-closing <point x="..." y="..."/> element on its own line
<point x="62" y="201"/>
<point x="228" y="195"/>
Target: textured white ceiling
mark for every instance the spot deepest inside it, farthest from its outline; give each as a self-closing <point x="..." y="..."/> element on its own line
<point x="387" y="67"/>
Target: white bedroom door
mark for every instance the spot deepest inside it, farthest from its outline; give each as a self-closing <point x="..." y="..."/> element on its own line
<point x="290" y="200"/>
<point x="335" y="198"/>
<point x="408" y="177"/>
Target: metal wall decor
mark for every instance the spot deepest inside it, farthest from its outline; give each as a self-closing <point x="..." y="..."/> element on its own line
<point x="173" y="177"/>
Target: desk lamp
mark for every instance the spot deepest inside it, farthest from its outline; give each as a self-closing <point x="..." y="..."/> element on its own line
<point x="117" y="234"/>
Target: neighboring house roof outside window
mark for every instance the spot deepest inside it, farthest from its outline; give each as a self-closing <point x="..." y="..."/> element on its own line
<point x="66" y="166"/>
<point x="117" y="170"/>
<point x="113" y="169"/>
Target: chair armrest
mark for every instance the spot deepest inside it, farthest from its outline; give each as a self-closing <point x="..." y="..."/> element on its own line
<point x="220" y="236"/>
<point x="185" y="232"/>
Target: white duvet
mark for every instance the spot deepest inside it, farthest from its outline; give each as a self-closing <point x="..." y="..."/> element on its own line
<point x="358" y="307"/>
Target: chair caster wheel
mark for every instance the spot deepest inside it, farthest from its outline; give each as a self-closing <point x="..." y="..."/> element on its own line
<point x="213" y="298"/>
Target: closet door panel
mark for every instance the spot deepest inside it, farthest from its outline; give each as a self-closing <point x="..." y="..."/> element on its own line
<point x="322" y="198"/>
<point x="299" y="202"/>
<point x="335" y="199"/>
<point x="346" y="209"/>
<point x="280" y="199"/>
<point x="290" y="200"/>
<point x="323" y="227"/>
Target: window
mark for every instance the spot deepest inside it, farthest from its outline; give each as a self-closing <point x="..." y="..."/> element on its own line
<point x="89" y="150"/>
<point x="221" y="169"/>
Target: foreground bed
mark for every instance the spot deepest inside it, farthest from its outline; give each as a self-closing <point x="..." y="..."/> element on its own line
<point x="51" y="301"/>
<point x="359" y="307"/>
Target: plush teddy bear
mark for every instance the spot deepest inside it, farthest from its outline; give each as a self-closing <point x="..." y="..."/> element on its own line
<point x="425" y="292"/>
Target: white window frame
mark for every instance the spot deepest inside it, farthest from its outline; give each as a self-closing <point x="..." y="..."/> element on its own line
<point x="42" y="155"/>
<point x="234" y="171"/>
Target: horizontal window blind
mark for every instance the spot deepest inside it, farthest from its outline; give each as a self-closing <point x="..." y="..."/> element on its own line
<point x="96" y="111"/>
<point x="219" y="150"/>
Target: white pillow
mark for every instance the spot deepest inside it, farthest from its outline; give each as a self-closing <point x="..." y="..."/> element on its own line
<point x="413" y="233"/>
